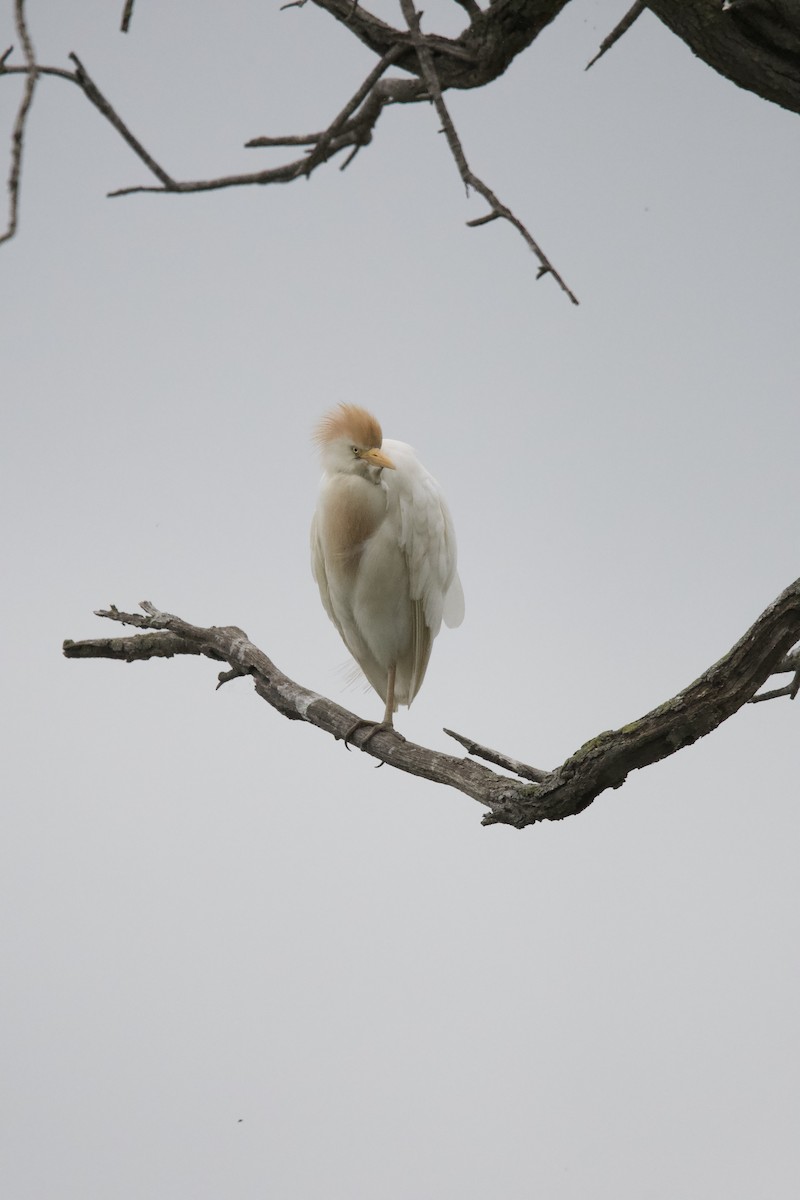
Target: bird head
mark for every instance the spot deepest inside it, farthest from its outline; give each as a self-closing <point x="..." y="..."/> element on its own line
<point x="350" y="441"/>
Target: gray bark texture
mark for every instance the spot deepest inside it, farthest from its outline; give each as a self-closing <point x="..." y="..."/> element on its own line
<point x="754" y="43"/>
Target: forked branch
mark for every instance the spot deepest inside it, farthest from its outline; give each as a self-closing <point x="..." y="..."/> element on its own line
<point x="604" y="762"/>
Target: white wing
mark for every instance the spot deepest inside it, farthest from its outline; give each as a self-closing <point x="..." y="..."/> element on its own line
<point x="426" y="536"/>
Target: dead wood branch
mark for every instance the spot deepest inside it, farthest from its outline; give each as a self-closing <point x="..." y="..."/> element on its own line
<point x="351" y="128"/>
<point x="479" y="55"/>
<point x="81" y="79"/>
<point x="31" y="72"/>
<point x="790" y="664"/>
<point x="602" y="763"/>
<point x="535" y="774"/>
<point x="93" y="94"/>
<point x="470" y="179"/>
<point x="621" y="27"/>
<point x="127" y="13"/>
<point x="756" y="43"/>
<point x="354" y="125"/>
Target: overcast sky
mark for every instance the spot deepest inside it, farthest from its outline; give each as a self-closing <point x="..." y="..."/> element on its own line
<point x="237" y="960"/>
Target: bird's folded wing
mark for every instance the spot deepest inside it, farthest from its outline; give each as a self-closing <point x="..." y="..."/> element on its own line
<point x="427" y="537"/>
<point x="320" y="574"/>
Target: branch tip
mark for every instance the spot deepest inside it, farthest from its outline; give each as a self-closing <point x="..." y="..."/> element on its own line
<point x="469" y="178"/>
<point x="126" y="16"/>
<point x="484" y="220"/>
<point x="523" y="770"/>
<point x="621" y="27"/>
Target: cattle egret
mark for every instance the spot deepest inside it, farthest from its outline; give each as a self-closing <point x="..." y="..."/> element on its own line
<point x="383" y="553"/>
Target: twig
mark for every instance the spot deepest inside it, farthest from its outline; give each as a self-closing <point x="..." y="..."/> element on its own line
<point x="788" y="665"/>
<point x="486" y="219"/>
<point x="283" y="139"/>
<point x="790" y="690"/>
<point x="80" y="78"/>
<point x="621" y="27"/>
<point x="379" y="36"/>
<point x="322" y="141"/>
<point x="470" y="179"/>
<point x="318" y="154"/>
<point x="93" y="93"/>
<point x="498" y="758"/>
<point x="471" y="8"/>
<point x="352" y="127"/>
<point x="18" y="133"/>
<point x="126" y="16"/>
<point x="57" y="72"/>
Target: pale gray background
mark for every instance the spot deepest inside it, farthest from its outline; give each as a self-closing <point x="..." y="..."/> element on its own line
<point x="211" y="914"/>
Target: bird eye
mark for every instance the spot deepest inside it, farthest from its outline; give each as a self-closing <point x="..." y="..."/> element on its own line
<point x="355" y="450"/>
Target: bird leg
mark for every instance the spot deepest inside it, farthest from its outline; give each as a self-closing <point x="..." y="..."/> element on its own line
<point x="378" y="726"/>
<point x="388" y="716"/>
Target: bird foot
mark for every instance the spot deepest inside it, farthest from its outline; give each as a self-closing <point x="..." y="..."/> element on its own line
<point x="376" y="727"/>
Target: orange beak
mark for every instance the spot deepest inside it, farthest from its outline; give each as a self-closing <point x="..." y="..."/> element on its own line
<point x="377" y="458"/>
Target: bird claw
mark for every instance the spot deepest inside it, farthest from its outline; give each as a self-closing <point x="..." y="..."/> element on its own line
<point x="376" y="727"/>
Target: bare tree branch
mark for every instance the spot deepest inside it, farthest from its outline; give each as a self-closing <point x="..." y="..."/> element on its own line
<point x="231" y="645"/>
<point x="137" y="648"/>
<point x="470" y="7"/>
<point x="126" y="16"/>
<point x="470" y="179"/>
<point x="349" y="127"/>
<point x="343" y="133"/>
<point x="18" y="134"/>
<point x="602" y="763"/>
<point x="340" y="133"/>
<point x="756" y="43"/>
<point x="488" y="45"/>
<point x="80" y="77"/>
<point x="789" y="690"/>
<point x="789" y="664"/>
<point x="621" y="27"/>
<point x="535" y="774"/>
<point x="93" y="93"/>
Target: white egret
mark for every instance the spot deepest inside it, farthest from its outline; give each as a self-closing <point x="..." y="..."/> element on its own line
<point x="383" y="553"/>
